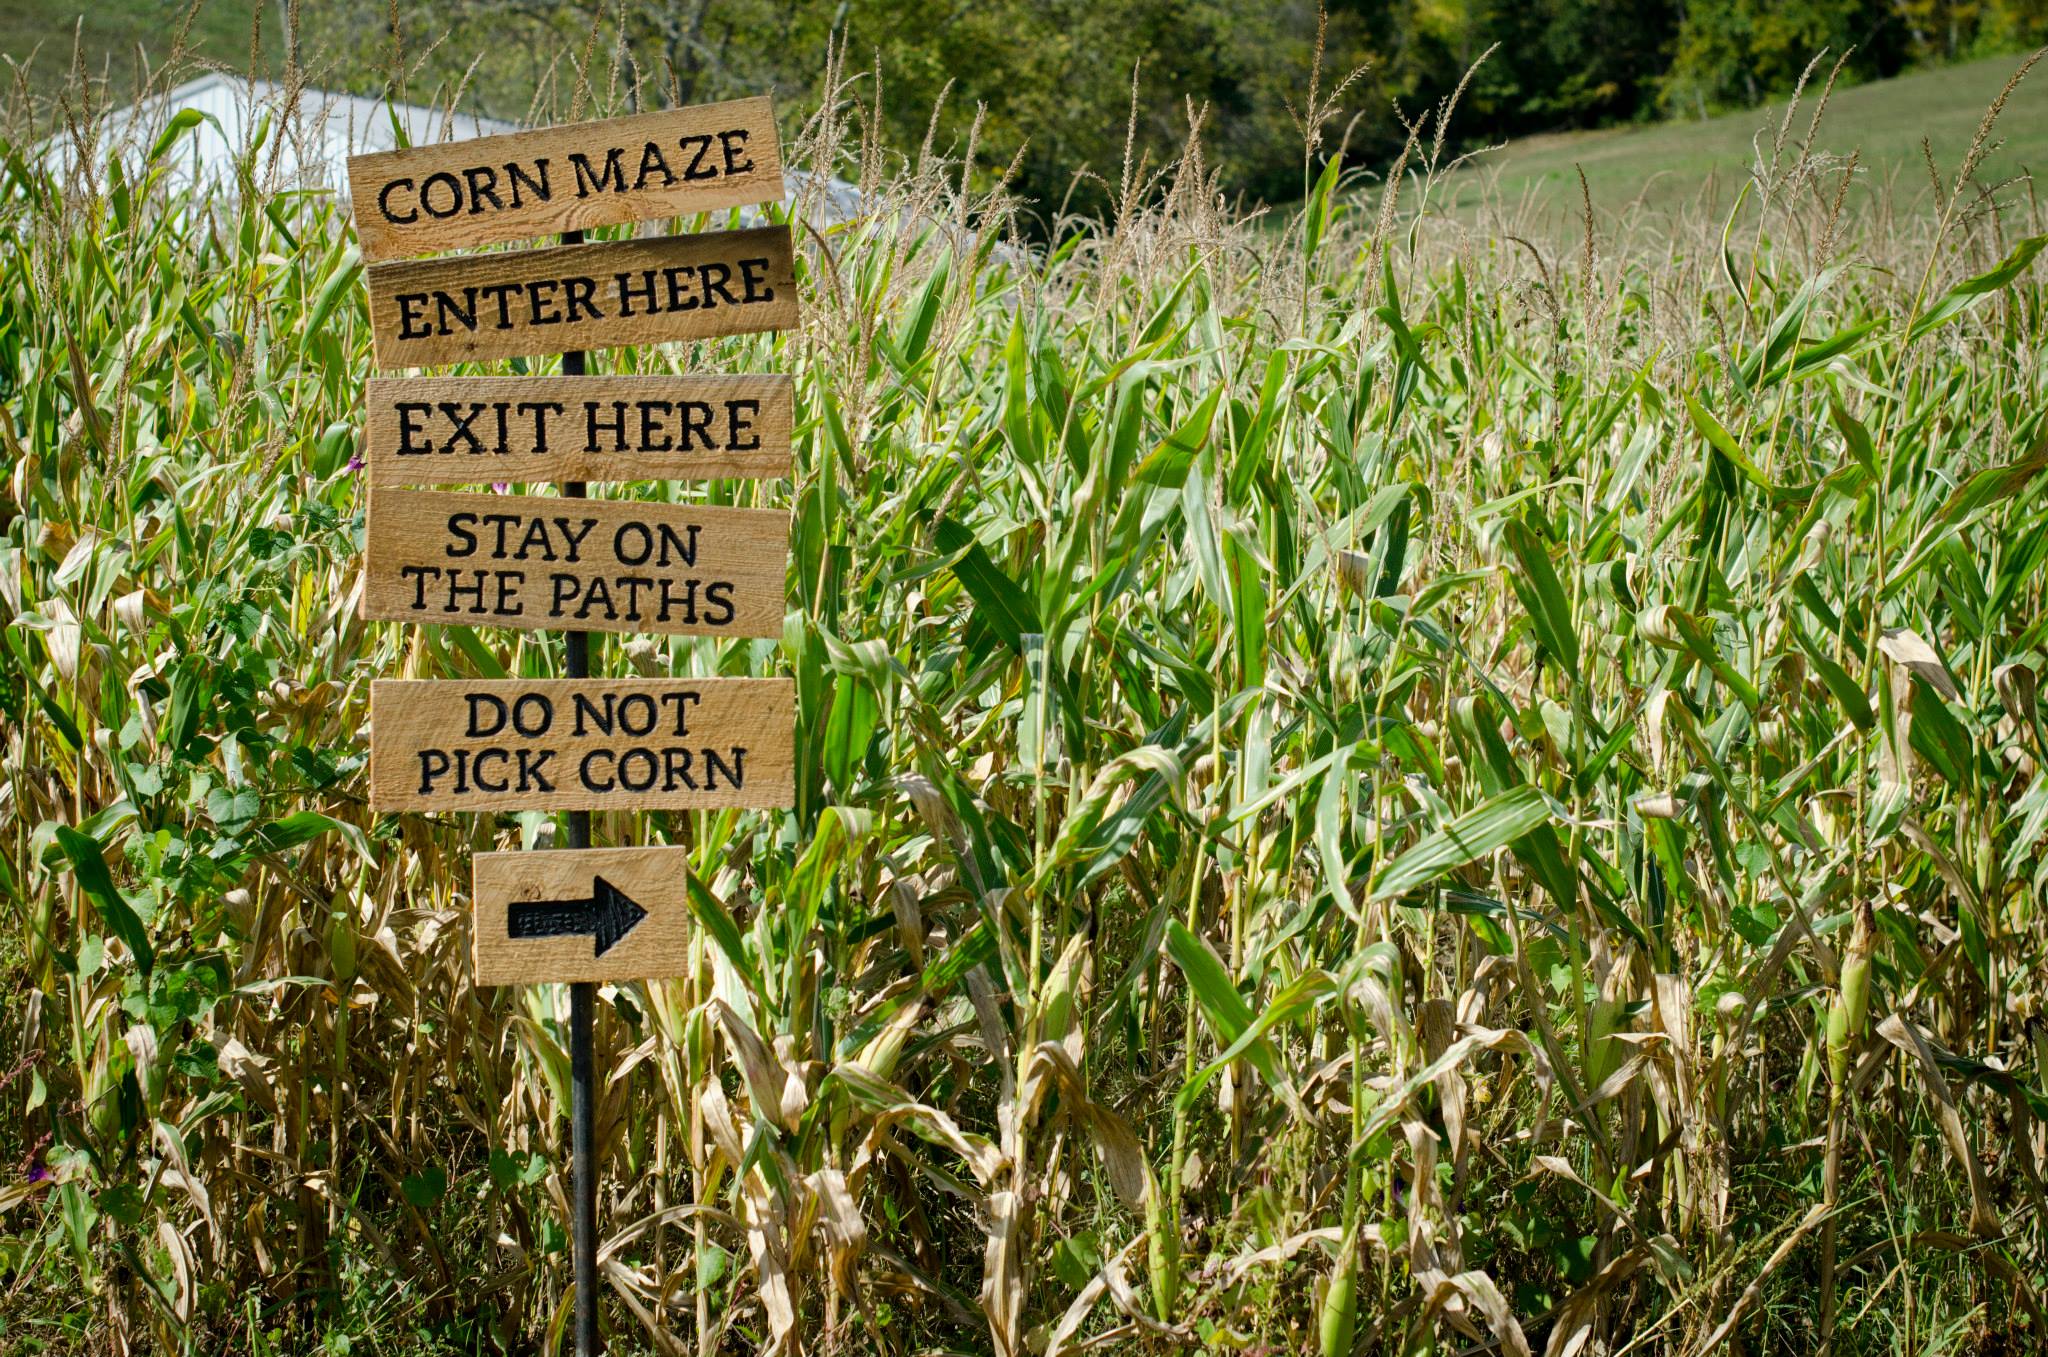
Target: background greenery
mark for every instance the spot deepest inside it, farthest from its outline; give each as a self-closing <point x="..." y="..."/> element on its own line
<point x="1371" y="783"/>
<point x="1051" y="82"/>
<point x="1668" y="170"/>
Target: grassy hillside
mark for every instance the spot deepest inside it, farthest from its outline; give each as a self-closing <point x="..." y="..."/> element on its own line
<point x="1680" y="166"/>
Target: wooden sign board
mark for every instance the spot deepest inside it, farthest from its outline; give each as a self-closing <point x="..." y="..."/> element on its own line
<point x="529" y="562"/>
<point x="596" y="914"/>
<point x="455" y="430"/>
<point x="523" y="302"/>
<point x="581" y="744"/>
<point x="555" y="179"/>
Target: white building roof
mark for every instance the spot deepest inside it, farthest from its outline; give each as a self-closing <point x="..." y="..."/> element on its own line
<point x="308" y="146"/>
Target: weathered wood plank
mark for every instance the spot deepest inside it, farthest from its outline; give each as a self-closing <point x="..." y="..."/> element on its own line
<point x="469" y="430"/>
<point x="531" y="561"/>
<point x="568" y="178"/>
<point x="518" y="303"/>
<point x="581" y="744"/>
<point x="596" y="914"/>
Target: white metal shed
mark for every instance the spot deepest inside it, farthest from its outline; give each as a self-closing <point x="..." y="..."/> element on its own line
<point x="307" y="143"/>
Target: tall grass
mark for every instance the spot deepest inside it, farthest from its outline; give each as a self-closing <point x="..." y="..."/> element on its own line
<point x="1367" y="785"/>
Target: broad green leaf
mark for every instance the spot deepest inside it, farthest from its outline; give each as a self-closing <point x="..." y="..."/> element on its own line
<point x="710" y="912"/>
<point x="1968" y="293"/>
<point x="1543" y="598"/>
<point x="1229" y="1016"/>
<point x="303" y="826"/>
<point x="89" y="866"/>
<point x="1485" y="829"/>
<point x="1675" y="628"/>
<point x="1994" y="484"/>
<point x="999" y="602"/>
<point x="1298" y="998"/>
<point x="181" y="123"/>
<point x="848" y="728"/>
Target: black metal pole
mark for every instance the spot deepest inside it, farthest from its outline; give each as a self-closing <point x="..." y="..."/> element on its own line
<point x="582" y="1006"/>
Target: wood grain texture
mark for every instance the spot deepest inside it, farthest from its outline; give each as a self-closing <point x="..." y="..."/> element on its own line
<point x="657" y="946"/>
<point x="581" y="744"/>
<point x="532" y="561"/>
<point x="567" y="178"/>
<point x="520" y="303"/>
<point x="471" y="430"/>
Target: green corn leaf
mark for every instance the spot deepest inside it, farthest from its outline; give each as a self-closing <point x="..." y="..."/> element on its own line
<point x="1160" y="325"/>
<point x="848" y="728"/>
<point x="1724" y="443"/>
<point x="1728" y="268"/>
<point x="175" y="130"/>
<point x="466" y="640"/>
<point x="60" y="720"/>
<point x="998" y="601"/>
<point x="976" y="948"/>
<point x="1673" y="627"/>
<point x="339" y="282"/>
<point x="1115" y="834"/>
<point x="89" y="866"/>
<point x="1156" y="483"/>
<point x="1543" y="598"/>
<point x="1939" y="737"/>
<point x="1783" y="333"/>
<point x="1482" y="830"/>
<point x="1229" y="1017"/>
<point x="712" y="914"/>
<point x="1329" y="827"/>
<point x="1020" y="426"/>
<point x="1968" y="293"/>
<point x="1994" y="484"/>
<point x="1848" y="694"/>
<point x="1838" y="345"/>
<point x="916" y="324"/>
<point x="1298" y="998"/>
<point x="304" y="826"/>
<point x="1856" y="436"/>
<point x="1316" y="216"/>
<point x="1248" y="610"/>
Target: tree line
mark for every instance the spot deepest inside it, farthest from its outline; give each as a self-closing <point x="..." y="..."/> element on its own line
<point x="1059" y="86"/>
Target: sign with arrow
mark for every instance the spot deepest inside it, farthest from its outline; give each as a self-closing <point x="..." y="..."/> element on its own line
<point x="597" y="914"/>
<point x="607" y="914"/>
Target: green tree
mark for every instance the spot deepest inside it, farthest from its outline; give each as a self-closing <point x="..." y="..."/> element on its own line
<point x="1740" y="52"/>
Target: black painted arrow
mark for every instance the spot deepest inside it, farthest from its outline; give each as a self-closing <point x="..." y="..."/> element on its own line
<point x="608" y="914"/>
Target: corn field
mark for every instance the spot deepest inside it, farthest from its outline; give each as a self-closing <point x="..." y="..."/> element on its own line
<point x="1370" y="781"/>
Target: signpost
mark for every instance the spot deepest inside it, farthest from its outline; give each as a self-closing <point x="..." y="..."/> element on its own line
<point x="583" y="916"/>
